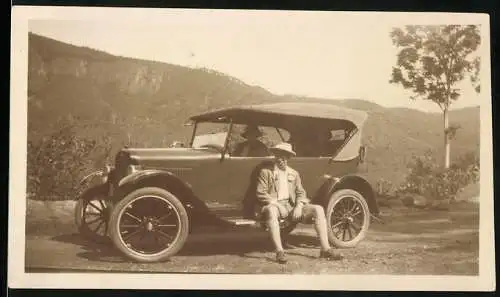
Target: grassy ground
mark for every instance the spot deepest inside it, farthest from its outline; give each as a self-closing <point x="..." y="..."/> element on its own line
<point x="410" y="242"/>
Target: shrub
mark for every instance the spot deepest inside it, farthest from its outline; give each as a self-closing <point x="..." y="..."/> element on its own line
<point x="57" y="162"/>
<point x="384" y="188"/>
<point x="420" y="170"/>
<point x="385" y="193"/>
<point x="426" y="178"/>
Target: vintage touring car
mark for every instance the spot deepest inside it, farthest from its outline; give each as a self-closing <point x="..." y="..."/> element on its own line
<point x="151" y="199"/>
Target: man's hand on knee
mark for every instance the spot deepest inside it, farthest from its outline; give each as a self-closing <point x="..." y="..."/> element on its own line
<point x="280" y="208"/>
<point x="297" y="212"/>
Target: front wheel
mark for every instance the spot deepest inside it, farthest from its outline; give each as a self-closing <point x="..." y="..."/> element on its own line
<point x="348" y="218"/>
<point x="149" y="225"/>
<point x="92" y="214"/>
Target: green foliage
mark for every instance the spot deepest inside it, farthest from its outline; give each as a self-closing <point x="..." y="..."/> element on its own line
<point x="432" y="59"/>
<point x="427" y="179"/>
<point x="57" y="162"/>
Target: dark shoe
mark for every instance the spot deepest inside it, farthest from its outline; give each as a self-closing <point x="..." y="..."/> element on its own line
<point x="280" y="257"/>
<point x="288" y="246"/>
<point x="330" y="255"/>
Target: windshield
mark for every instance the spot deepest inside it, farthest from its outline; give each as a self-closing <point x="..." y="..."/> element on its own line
<point x="209" y="134"/>
<point x="211" y="139"/>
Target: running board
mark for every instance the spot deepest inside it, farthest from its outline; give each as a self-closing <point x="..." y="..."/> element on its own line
<point x="242" y="222"/>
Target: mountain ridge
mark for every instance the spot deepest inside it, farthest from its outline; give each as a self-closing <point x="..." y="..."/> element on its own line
<point x="81" y="49"/>
<point x="147" y="103"/>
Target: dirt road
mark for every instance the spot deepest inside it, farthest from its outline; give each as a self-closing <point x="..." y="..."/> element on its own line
<point x="410" y="242"/>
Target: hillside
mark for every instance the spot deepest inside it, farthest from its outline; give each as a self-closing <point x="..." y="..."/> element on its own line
<point x="146" y="103"/>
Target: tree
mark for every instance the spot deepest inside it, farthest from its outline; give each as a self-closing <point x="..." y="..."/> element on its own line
<point x="432" y="60"/>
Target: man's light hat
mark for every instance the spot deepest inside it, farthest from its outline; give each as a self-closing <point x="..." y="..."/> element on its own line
<point x="283" y="147"/>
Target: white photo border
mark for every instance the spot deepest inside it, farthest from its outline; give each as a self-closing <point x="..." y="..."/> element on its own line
<point x="17" y="278"/>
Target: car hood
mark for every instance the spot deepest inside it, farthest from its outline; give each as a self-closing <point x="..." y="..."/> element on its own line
<point x="169" y="153"/>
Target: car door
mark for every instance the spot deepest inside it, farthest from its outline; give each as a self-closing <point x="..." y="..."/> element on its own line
<point x="312" y="171"/>
<point x="231" y="178"/>
<point x="237" y="170"/>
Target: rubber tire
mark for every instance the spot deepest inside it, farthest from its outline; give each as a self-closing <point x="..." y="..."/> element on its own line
<point x="336" y="197"/>
<point x="164" y="255"/>
<point x="78" y="213"/>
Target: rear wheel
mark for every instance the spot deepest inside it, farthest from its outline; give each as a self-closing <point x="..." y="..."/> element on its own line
<point x="348" y="218"/>
<point x="149" y="225"/>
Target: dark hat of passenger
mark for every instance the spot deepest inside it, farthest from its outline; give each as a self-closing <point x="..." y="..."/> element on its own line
<point x="252" y="130"/>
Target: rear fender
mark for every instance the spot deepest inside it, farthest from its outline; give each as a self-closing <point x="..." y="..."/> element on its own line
<point x="354" y="182"/>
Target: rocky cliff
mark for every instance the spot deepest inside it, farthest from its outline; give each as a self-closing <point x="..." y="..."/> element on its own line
<point x="148" y="102"/>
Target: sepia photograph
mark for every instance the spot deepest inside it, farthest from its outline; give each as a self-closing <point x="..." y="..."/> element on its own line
<point x="238" y="149"/>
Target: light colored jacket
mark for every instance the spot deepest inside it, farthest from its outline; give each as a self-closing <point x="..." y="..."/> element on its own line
<point x="268" y="183"/>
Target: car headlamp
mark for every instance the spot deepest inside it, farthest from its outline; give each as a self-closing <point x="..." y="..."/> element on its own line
<point x="132" y="168"/>
<point x="105" y="173"/>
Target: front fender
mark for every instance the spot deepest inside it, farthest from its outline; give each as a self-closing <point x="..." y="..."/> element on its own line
<point x="102" y="175"/>
<point x="97" y="178"/>
<point x="355" y="182"/>
<point x="154" y="177"/>
<point x="197" y="209"/>
<point x="140" y="175"/>
<point x="158" y="178"/>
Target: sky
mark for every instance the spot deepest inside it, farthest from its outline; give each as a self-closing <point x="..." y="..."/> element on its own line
<point x="320" y="55"/>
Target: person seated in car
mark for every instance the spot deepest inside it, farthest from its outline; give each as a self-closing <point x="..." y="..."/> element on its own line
<point x="308" y="143"/>
<point x="281" y="196"/>
<point x="315" y="143"/>
<point x="324" y="143"/>
<point x="298" y="140"/>
<point x="252" y="147"/>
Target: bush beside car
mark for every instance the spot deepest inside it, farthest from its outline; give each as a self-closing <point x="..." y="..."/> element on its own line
<point x="57" y="162"/>
<point x="428" y="184"/>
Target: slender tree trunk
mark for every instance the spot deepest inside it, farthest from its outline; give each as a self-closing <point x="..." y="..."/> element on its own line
<point x="446" y="139"/>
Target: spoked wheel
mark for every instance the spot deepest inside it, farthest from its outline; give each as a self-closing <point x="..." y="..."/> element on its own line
<point x="348" y="218"/>
<point x="149" y="225"/>
<point x="92" y="213"/>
